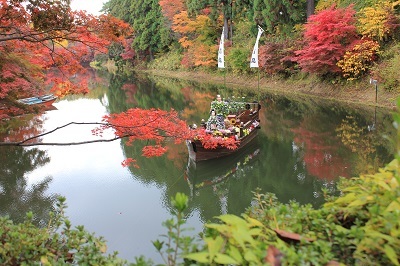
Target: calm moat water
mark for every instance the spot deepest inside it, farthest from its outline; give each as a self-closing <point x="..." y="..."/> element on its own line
<point x="303" y="146"/>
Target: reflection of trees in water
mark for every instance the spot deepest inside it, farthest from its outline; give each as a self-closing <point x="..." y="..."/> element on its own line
<point x="224" y="185"/>
<point x="16" y="198"/>
<point x="365" y="143"/>
<point x="300" y="151"/>
<point x="128" y="92"/>
<point x="331" y="144"/>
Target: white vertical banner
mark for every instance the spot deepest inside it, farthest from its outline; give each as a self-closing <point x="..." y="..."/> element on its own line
<point x="221" y="62"/>
<point x="254" y="55"/>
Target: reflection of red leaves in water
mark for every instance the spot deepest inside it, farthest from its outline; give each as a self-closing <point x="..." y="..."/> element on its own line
<point x="153" y="151"/>
<point x="130" y="91"/>
<point x="175" y="152"/>
<point x="322" y="159"/>
<point x="199" y="102"/>
<point x="130" y="162"/>
<point x="29" y="129"/>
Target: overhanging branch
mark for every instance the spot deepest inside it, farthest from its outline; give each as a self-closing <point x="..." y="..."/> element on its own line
<point x="27" y="142"/>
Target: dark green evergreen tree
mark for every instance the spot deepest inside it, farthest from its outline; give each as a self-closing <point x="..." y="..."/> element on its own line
<point x="151" y="34"/>
<point x="118" y="8"/>
<point x="279" y="16"/>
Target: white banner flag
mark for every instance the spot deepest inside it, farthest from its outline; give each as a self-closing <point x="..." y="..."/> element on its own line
<point x="254" y="55"/>
<point x="221" y="62"/>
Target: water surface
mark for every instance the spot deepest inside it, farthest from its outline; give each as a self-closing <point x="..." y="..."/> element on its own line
<point x="303" y="147"/>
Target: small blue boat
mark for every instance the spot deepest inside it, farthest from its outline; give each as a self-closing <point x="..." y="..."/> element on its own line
<point x="46" y="100"/>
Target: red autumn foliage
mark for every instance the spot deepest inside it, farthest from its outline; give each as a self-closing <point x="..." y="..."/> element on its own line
<point x="155" y="125"/>
<point x="129" y="53"/>
<point x="212" y="141"/>
<point x="160" y="128"/>
<point x="328" y="35"/>
<point x="41" y="36"/>
<point x="172" y="7"/>
<point x="277" y="57"/>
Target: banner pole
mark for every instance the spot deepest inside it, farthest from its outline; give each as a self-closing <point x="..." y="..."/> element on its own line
<point x="225" y="79"/>
<point x="258" y="93"/>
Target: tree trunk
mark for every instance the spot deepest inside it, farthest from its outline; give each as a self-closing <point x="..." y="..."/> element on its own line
<point x="226" y="29"/>
<point x="310" y="7"/>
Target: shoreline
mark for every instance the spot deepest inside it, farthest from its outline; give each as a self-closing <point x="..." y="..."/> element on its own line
<point x="361" y="93"/>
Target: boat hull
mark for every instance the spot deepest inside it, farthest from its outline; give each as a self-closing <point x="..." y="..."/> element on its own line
<point x="198" y="153"/>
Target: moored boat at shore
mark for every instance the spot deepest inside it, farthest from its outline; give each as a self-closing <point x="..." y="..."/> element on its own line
<point x="46" y="100"/>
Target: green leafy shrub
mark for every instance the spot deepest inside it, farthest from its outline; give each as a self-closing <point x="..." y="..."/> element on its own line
<point x="57" y="244"/>
<point x="387" y="73"/>
<point x="169" y="61"/>
<point x="238" y="60"/>
<point x="176" y="245"/>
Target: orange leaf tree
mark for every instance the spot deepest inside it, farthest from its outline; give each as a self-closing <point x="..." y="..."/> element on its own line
<point x="195" y="32"/>
<point x="44" y="42"/>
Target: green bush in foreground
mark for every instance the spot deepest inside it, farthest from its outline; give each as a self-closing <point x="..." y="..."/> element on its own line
<point x="361" y="227"/>
<point x="57" y="244"/>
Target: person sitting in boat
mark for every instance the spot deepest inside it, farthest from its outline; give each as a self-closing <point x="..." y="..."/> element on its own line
<point x="213" y="122"/>
<point x="221" y="109"/>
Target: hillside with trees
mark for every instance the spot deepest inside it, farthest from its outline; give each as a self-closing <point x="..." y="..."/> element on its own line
<point x="334" y="42"/>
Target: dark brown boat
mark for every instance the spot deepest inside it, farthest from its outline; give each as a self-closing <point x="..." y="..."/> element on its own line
<point x="245" y="123"/>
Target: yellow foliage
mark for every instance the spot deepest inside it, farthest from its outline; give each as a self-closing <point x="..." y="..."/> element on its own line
<point x="374" y="21"/>
<point x="358" y="60"/>
<point x="324" y="4"/>
<point x="62" y="43"/>
<point x="182" y="23"/>
<point x="189" y="28"/>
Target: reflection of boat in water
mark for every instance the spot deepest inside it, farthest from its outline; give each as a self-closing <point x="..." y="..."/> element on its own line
<point x="209" y="173"/>
<point x="242" y="126"/>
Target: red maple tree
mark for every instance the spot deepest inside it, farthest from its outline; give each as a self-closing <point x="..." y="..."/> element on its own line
<point x="328" y="34"/>
<point x="154" y="125"/>
<point x="43" y="43"/>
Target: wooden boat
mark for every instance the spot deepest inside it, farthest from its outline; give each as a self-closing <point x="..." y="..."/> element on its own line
<point x="220" y="140"/>
<point x="242" y="127"/>
<point x="45" y="100"/>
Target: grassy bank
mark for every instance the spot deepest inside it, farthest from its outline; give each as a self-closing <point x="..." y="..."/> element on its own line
<point x="359" y="93"/>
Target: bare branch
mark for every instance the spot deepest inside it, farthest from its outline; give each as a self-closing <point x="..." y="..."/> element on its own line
<point x="25" y="142"/>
